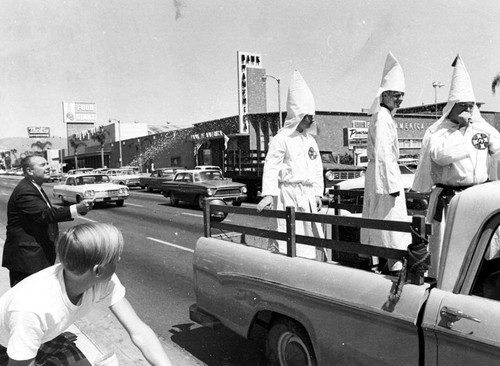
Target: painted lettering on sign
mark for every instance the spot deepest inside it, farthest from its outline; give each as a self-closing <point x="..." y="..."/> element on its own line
<point x="416" y="126"/>
<point x="38" y="132"/>
<point x="207" y="135"/>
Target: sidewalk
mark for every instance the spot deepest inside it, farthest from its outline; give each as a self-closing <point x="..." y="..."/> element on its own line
<point x="93" y="331"/>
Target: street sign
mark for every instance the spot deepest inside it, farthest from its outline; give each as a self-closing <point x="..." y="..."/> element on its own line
<point x="38" y="132"/>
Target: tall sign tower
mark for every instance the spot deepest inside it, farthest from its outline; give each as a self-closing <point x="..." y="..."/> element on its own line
<point x="251" y="87"/>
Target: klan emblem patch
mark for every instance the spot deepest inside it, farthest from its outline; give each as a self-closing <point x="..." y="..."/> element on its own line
<point x="312" y="153"/>
<point x="480" y="141"/>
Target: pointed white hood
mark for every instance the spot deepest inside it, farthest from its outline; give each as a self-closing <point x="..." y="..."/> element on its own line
<point x="460" y="87"/>
<point x="460" y="91"/>
<point x="392" y="79"/>
<point x="300" y="102"/>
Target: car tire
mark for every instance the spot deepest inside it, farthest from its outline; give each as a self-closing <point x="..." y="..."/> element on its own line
<point x="200" y="201"/>
<point x="149" y="189"/>
<point x="289" y="344"/>
<point x="78" y="199"/>
<point x="119" y="203"/>
<point x="173" y="201"/>
<point x="236" y="203"/>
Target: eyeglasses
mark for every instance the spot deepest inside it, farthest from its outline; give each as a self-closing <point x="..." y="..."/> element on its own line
<point x="397" y="95"/>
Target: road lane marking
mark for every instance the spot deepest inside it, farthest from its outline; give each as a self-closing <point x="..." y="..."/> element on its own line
<point x="191" y="214"/>
<point x="132" y="204"/>
<point x="84" y="218"/>
<point x="198" y="215"/>
<point x="170" y="244"/>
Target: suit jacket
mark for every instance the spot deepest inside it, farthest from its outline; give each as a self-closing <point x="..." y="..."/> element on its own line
<point x="31" y="229"/>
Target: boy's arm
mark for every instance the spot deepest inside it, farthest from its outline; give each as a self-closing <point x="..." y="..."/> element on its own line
<point x="21" y="363"/>
<point x="140" y="333"/>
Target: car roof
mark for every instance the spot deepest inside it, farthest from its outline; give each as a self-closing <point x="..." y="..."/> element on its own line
<point x="195" y="170"/>
<point x="207" y="167"/>
<point x="85" y="175"/>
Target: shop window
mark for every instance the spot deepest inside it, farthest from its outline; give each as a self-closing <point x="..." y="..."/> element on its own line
<point x="207" y="157"/>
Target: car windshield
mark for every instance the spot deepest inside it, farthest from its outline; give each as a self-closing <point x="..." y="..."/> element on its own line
<point x="92" y="179"/>
<point x="127" y="172"/>
<point x="210" y="175"/>
<point x="327" y="158"/>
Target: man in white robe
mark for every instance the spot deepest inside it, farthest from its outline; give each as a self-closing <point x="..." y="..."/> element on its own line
<point x="384" y="196"/>
<point x="457" y="152"/>
<point x="293" y="170"/>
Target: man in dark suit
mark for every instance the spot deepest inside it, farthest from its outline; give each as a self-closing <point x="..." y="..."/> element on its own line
<point x="32" y="222"/>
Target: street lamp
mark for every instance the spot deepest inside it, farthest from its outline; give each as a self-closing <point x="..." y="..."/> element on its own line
<point x="264" y="78"/>
<point x="436" y="84"/>
<point x="119" y="138"/>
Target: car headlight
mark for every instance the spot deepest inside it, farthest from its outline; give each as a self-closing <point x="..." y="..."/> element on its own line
<point x="123" y="190"/>
<point x="88" y="194"/>
<point x="243" y="189"/>
<point x="210" y="192"/>
<point x="329" y="175"/>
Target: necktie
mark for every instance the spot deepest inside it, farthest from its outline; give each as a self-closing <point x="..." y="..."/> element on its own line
<point x="44" y="195"/>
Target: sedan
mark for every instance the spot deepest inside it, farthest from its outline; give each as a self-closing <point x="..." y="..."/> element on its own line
<point x="96" y="187"/>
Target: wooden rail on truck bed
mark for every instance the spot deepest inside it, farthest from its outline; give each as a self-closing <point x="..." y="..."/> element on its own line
<point x="352" y="200"/>
<point x="418" y="228"/>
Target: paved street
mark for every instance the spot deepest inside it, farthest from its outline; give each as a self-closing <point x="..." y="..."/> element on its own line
<point x="156" y="269"/>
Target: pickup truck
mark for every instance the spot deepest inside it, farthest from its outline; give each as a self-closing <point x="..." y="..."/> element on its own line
<point x="156" y="178"/>
<point x="324" y="313"/>
<point x="195" y="185"/>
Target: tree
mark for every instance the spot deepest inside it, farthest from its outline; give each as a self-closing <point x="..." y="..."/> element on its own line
<point x="12" y="161"/>
<point x="41" y="145"/>
<point x="495" y="83"/>
<point x="100" y="136"/>
<point x="75" y="144"/>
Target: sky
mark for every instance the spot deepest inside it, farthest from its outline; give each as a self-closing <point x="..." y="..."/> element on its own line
<point x="158" y="61"/>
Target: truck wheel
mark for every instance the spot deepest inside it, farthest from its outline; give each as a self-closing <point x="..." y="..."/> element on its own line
<point x="173" y="201"/>
<point x="236" y="203"/>
<point x="119" y="203"/>
<point x="149" y="189"/>
<point x="288" y="344"/>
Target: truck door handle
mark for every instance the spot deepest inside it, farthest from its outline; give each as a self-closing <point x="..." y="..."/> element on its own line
<point x="452" y="315"/>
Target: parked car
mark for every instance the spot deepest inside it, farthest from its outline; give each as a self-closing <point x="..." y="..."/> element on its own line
<point x="208" y="167"/>
<point x="126" y="177"/>
<point x="80" y="171"/>
<point x="157" y="177"/>
<point x="195" y="185"/>
<point x="97" y="187"/>
<point x="55" y="176"/>
<point x="358" y="184"/>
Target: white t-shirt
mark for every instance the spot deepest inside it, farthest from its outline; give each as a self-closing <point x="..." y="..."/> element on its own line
<point x="38" y="309"/>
